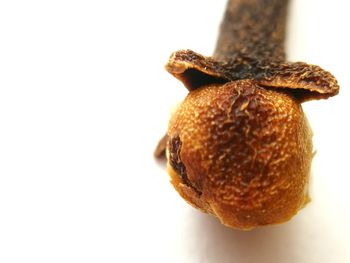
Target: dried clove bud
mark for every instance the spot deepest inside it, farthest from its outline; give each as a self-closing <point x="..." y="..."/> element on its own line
<point x="239" y="146"/>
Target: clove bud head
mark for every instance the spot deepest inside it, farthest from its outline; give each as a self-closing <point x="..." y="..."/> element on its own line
<point x="241" y="152"/>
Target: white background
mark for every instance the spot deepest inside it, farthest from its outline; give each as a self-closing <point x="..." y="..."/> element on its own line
<point x="84" y="98"/>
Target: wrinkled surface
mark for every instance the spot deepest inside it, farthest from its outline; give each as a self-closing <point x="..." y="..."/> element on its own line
<point x="304" y="80"/>
<point x="253" y="29"/>
<point x="247" y="153"/>
<point x="251" y="46"/>
<point x="239" y="146"/>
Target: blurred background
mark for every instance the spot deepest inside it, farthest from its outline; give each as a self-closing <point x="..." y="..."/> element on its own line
<point x="84" y="98"/>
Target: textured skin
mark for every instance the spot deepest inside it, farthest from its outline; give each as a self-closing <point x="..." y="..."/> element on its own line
<point x="253" y="28"/>
<point x="239" y="146"/>
<point x="251" y="46"/>
<point x="305" y="81"/>
<point x="246" y="152"/>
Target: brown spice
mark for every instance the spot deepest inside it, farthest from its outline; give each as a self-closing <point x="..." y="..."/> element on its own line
<point x="239" y="146"/>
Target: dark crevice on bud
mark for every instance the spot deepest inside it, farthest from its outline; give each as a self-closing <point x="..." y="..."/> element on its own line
<point x="177" y="164"/>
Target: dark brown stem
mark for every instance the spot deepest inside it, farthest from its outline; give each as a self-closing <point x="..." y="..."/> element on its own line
<point x="251" y="46"/>
<point x="239" y="146"/>
<point x="253" y="28"/>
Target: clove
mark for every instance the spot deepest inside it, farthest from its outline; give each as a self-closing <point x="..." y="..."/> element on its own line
<point x="239" y="146"/>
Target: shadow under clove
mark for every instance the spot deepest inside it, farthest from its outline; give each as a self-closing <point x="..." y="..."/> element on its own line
<point x="267" y="244"/>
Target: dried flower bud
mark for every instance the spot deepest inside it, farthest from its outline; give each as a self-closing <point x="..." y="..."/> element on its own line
<point x="239" y="150"/>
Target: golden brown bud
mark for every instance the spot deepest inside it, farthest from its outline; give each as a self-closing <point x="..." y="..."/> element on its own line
<point x="241" y="152"/>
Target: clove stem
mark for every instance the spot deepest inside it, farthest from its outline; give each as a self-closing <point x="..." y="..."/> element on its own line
<point x="239" y="146"/>
<point x="253" y="29"/>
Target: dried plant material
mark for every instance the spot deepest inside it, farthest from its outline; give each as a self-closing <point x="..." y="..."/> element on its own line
<point x="239" y="146"/>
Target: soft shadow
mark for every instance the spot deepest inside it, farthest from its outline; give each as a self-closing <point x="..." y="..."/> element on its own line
<point x="161" y="162"/>
<point x="264" y="245"/>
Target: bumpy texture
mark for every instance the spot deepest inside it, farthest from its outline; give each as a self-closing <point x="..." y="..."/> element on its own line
<point x="307" y="81"/>
<point x="242" y="153"/>
<point x="253" y="29"/>
<point x="239" y="146"/>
